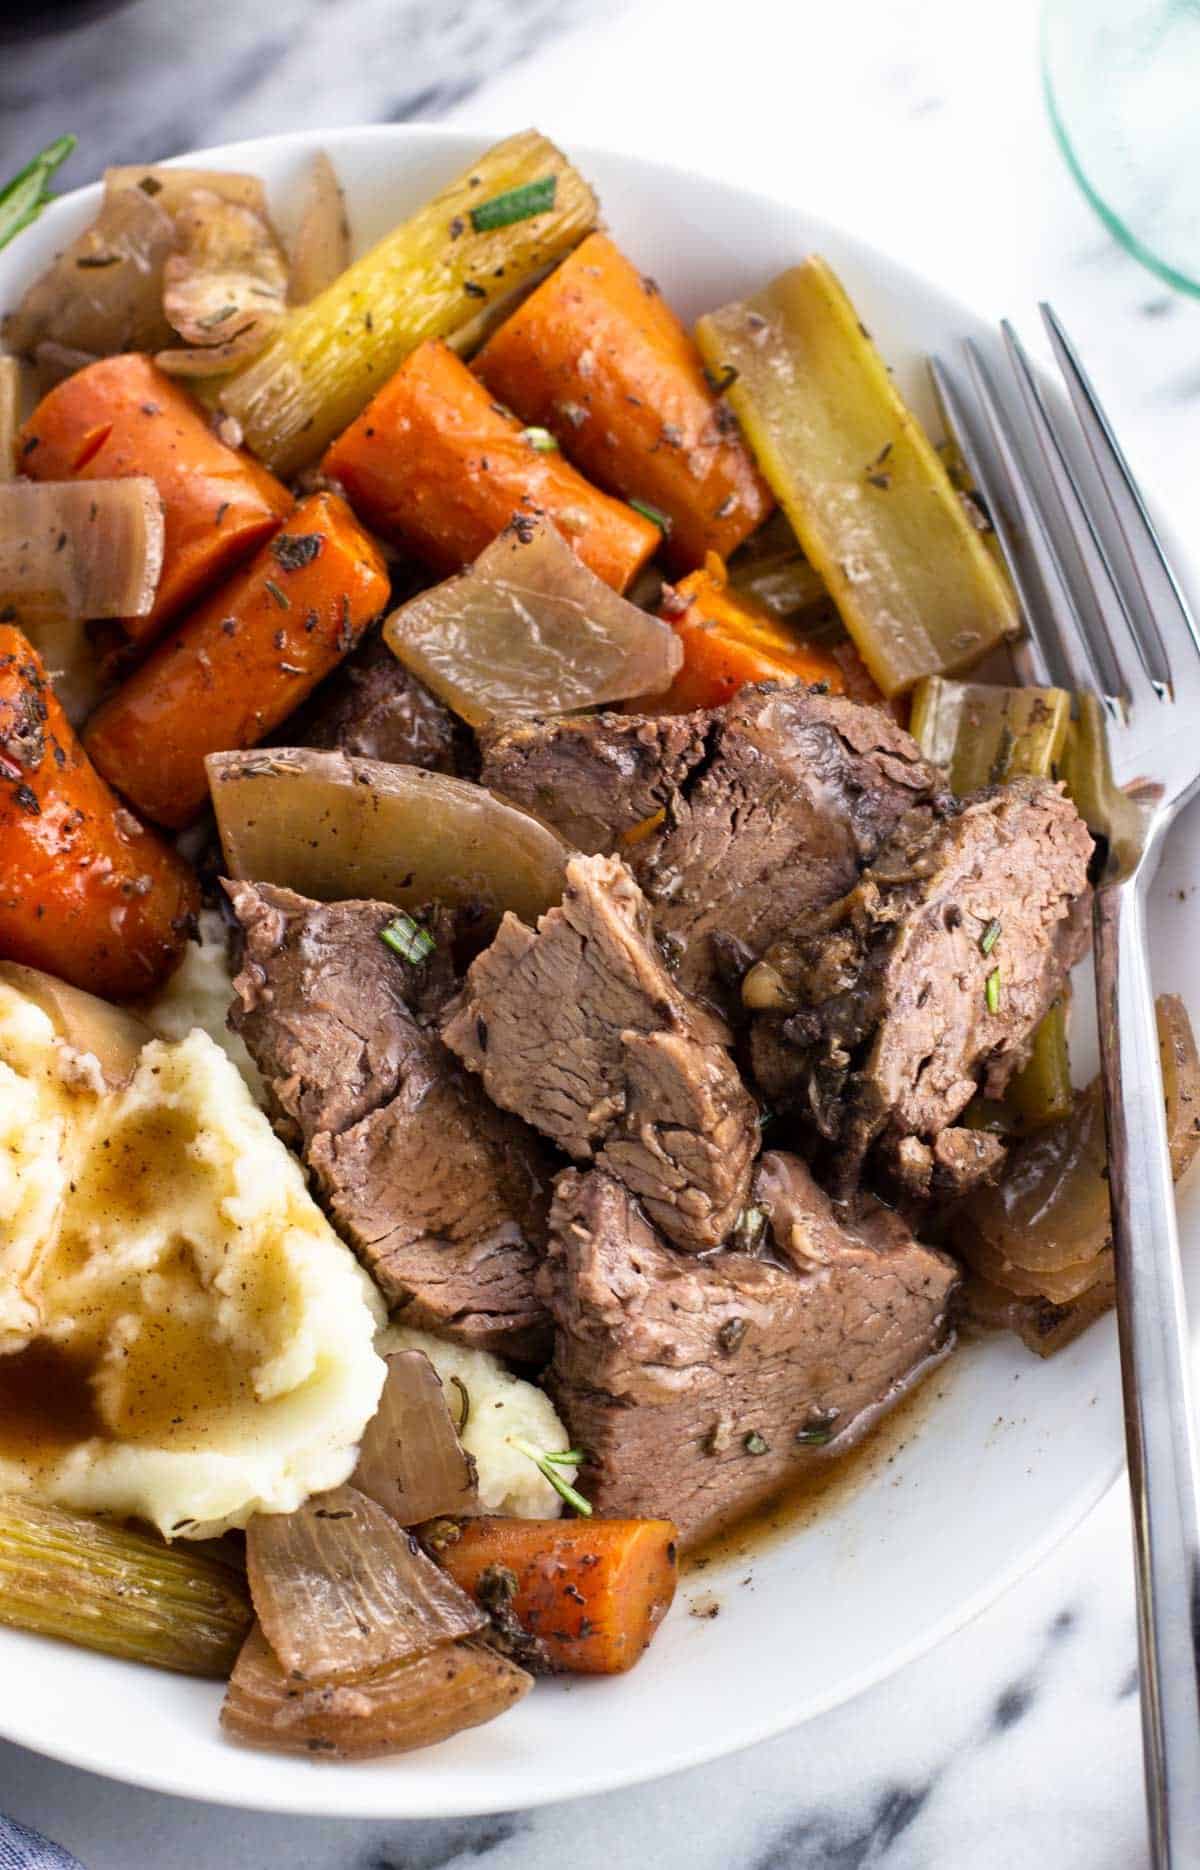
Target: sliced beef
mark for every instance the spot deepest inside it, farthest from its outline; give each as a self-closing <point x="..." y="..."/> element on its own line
<point x="770" y="806"/>
<point x="442" y="1196"/>
<point x="956" y="1161"/>
<point x="701" y="1387"/>
<point x="926" y="981"/>
<point x="595" y="777"/>
<point x="580" y="1029"/>
<point x="373" y="708"/>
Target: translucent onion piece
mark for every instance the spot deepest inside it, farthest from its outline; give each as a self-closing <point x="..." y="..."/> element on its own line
<point x="528" y="629"/>
<point x="321" y="249"/>
<point x="335" y="828"/>
<point x="225" y="291"/>
<point x="122" y="1592"/>
<point x="393" y="1710"/>
<point x="81" y="548"/>
<point x="410" y="1459"/>
<point x="340" y="1589"/>
<point x="104" y="293"/>
<point x="1048" y="1215"/>
<point x="10" y="415"/>
<point x="169" y="187"/>
<point x="91" y="1027"/>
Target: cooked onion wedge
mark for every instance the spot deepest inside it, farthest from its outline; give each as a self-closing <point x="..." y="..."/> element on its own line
<point x="71" y="552"/>
<point x="529" y="629"/>
<point x="225" y="291"/>
<point x="334" y="827"/>
<point x="122" y="1592"/>
<point x="90" y="1027"/>
<point x="321" y="249"/>
<point x="392" y="1710"/>
<point x="10" y="415"/>
<point x="104" y="293"/>
<point x="340" y="1589"/>
<point x="411" y="1461"/>
<point x="1042" y="1233"/>
<point x="170" y="187"/>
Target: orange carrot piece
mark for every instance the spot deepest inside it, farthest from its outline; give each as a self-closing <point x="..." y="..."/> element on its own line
<point x="86" y="892"/>
<point x="593" y="1590"/>
<point x="596" y="356"/>
<point x="123" y="416"/>
<point x="436" y="465"/>
<point x="242" y="662"/>
<point x="728" y="640"/>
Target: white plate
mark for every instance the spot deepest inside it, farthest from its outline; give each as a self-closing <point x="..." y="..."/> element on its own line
<point x="1001" y="1468"/>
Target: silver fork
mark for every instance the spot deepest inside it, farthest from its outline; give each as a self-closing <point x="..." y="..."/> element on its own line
<point x="1108" y="618"/>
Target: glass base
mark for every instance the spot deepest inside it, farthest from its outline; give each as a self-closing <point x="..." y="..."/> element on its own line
<point x="1122" y="80"/>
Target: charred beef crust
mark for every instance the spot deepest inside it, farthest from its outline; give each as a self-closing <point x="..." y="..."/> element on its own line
<point x="770" y="806"/>
<point x="580" y="1029"/>
<point x="373" y="708"/>
<point x="701" y="1387"/>
<point x="892" y="1026"/>
<point x="597" y="776"/>
<point x="442" y="1196"/>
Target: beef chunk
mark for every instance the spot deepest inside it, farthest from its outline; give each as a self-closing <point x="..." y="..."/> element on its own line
<point x="701" y="1387"/>
<point x="374" y="708"/>
<point x="595" y="776"/>
<point x="891" y="1024"/>
<point x="771" y="805"/>
<point x="580" y="1029"/>
<point x="956" y="1161"/>
<point x="442" y="1196"/>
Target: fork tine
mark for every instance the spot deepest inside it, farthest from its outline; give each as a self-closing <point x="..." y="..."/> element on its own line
<point x="992" y="480"/>
<point x="1067" y="645"/>
<point x="1153" y="591"/>
<point x="1099" y="604"/>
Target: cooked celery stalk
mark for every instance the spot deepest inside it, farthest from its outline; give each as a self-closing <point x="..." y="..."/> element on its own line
<point x="429" y="276"/>
<point x="1085" y="770"/>
<point x="1041" y="1091"/>
<point x="870" y="502"/>
<point x="123" y="1592"/>
<point x="982" y="736"/>
<point x="10" y="415"/>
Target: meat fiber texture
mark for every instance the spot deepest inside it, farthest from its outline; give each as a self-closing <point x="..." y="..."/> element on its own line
<point x="702" y="1387"/>
<point x="442" y="1196"/>
<point x="580" y="1029"/>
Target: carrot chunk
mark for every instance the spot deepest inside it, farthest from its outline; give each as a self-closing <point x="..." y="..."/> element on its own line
<point x="728" y="640"/>
<point x="122" y="416"/>
<point x="433" y="463"/>
<point x="593" y="1591"/>
<point x="599" y="358"/>
<point x="86" y="892"/>
<point x="242" y="662"/>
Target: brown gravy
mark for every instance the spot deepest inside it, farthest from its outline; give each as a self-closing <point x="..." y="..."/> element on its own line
<point x="826" y="1484"/>
<point x="46" y="1402"/>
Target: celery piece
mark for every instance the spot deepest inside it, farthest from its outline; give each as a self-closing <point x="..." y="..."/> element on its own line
<point x="98" y="1584"/>
<point x="429" y="278"/>
<point x="982" y="735"/>
<point x="1041" y="1091"/>
<point x="870" y="501"/>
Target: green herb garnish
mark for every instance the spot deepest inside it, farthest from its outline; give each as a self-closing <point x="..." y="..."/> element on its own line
<point x="541" y="440"/>
<point x="545" y="1464"/>
<point x="565" y="1457"/>
<point x="22" y="199"/>
<point x="990" y="936"/>
<point x="515" y="204"/>
<point x="294" y="550"/>
<point x="281" y="597"/>
<point x="992" y="991"/>
<point x="651" y="513"/>
<point x="408" y="939"/>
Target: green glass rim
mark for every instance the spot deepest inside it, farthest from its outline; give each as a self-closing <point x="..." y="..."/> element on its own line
<point x="1137" y="248"/>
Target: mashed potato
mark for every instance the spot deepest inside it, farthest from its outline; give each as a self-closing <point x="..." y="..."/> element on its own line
<point x="158" y="1241"/>
<point x="198" y="994"/>
<point x="501" y="1405"/>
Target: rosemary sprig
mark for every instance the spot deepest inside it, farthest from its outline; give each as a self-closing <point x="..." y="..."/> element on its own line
<point x="547" y="1465"/>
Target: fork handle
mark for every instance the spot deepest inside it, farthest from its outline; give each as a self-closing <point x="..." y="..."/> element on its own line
<point x="1155" y="1375"/>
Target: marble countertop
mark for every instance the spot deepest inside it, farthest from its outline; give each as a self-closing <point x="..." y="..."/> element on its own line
<point x="920" y="123"/>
